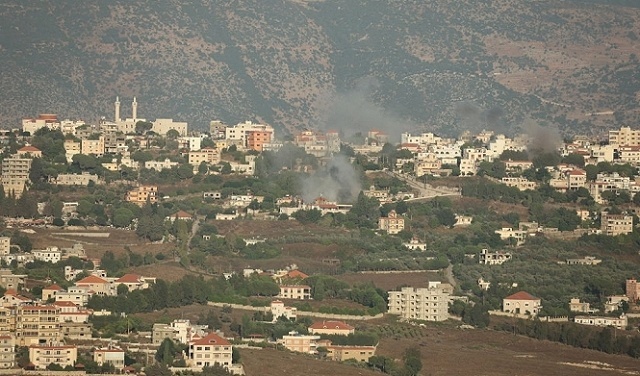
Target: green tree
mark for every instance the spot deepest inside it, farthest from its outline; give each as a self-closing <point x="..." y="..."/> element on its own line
<point x="167" y="351"/>
<point x="158" y="369"/>
<point x="143" y="126"/>
<point x="122" y="217"/>
<point x="412" y="361"/>
<point x="172" y="134"/>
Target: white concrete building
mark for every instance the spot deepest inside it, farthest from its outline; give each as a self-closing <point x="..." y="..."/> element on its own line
<point x="430" y="303"/>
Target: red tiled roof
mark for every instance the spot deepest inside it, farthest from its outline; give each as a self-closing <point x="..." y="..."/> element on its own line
<point x="329" y="324"/>
<point x="297" y="274"/>
<point x="53" y="287"/>
<point x="64" y="303"/>
<point x="521" y="295"/>
<point x="91" y="279"/>
<point x="181" y="214"/>
<point x="211" y="339"/>
<point x="28" y="148"/>
<point x="129" y="278"/>
<point x="577" y="172"/>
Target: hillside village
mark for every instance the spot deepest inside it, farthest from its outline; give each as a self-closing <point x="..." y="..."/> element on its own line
<point x="389" y="201"/>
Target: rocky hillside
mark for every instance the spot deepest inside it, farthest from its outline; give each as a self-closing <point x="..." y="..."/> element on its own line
<point x="439" y="65"/>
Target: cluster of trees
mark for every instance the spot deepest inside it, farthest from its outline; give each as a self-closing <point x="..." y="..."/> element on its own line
<point x="188" y="290"/>
<point x="323" y="286"/>
<point x="25" y="206"/>
<point x="608" y="339"/>
<point x="410" y="366"/>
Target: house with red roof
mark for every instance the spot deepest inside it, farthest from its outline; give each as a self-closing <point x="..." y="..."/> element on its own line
<point x="98" y="285"/>
<point x="210" y="349"/>
<point x="50" y="292"/>
<point x="30" y="151"/>
<point x="181" y="215"/>
<point x="331" y="327"/>
<point x="522" y="303"/>
<point x="11" y="298"/>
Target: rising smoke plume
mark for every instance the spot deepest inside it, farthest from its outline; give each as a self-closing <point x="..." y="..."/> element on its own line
<point x="474" y="118"/>
<point x="542" y="139"/>
<point x="338" y="182"/>
<point x="355" y="111"/>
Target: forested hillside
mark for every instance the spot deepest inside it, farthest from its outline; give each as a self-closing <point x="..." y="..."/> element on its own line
<point x="434" y="65"/>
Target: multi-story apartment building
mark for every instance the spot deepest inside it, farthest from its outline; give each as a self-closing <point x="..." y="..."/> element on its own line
<point x="43" y="355"/>
<point x="257" y="139"/>
<point x="300" y="292"/>
<point x="143" y="194"/>
<point x="241" y="131"/>
<point x="76" y="330"/>
<point x="179" y="330"/>
<point x="71" y="148"/>
<point x="392" y="223"/>
<point x="92" y="147"/>
<point x="612" y="182"/>
<point x="32" y="125"/>
<point x="569" y="180"/>
<point x="429" y="303"/>
<point x="163" y="126"/>
<point x="628" y="154"/>
<point x="616" y="224"/>
<point x="207" y="155"/>
<point x="115" y="143"/>
<point x="209" y="350"/>
<point x="190" y="143"/>
<point x="15" y="174"/>
<point x="5" y="245"/>
<point x="7" y="351"/>
<point x="426" y="163"/>
<point x="302" y="343"/>
<point x="37" y="324"/>
<point x="625" y="136"/>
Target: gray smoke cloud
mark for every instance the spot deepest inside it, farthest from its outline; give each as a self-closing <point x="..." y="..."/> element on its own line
<point x="355" y="111"/>
<point x="338" y="182"/>
<point x="475" y="118"/>
<point x="542" y="139"/>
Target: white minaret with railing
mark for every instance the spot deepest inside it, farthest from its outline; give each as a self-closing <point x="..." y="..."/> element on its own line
<point x="134" y="109"/>
<point x="117" y="104"/>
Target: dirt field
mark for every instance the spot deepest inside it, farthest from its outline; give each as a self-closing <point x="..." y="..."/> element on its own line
<point x="96" y="246"/>
<point x="449" y="351"/>
<point x="486" y="352"/>
<point x="390" y="281"/>
<point x="269" y="362"/>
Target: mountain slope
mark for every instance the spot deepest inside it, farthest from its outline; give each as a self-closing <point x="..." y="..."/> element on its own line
<point x="438" y="65"/>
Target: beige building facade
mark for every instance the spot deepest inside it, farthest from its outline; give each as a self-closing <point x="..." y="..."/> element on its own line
<point x="429" y="303"/>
